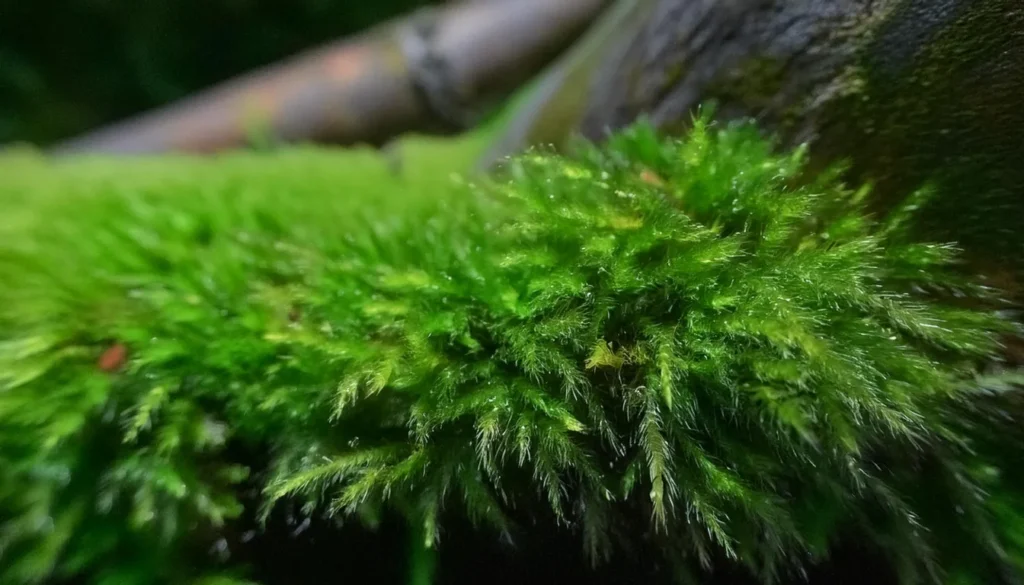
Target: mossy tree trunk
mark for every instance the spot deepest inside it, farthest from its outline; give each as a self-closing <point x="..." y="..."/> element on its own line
<point x="907" y="91"/>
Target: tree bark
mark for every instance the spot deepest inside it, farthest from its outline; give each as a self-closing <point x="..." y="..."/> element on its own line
<point x="907" y="91"/>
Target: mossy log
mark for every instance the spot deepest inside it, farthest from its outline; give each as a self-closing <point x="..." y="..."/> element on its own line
<point x="906" y="91"/>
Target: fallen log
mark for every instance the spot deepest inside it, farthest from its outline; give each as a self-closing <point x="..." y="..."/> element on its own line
<point x="438" y="71"/>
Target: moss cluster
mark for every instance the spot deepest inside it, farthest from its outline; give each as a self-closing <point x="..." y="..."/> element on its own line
<point x="672" y="335"/>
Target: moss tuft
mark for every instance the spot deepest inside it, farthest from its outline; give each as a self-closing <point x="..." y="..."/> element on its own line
<point x="677" y="327"/>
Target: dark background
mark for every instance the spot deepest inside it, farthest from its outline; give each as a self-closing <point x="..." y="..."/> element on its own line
<point x="67" y="66"/>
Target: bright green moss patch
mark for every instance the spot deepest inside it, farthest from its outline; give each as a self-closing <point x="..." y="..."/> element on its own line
<point x="656" y="334"/>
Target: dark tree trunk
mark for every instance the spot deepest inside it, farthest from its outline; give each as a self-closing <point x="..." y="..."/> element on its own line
<point x="907" y="91"/>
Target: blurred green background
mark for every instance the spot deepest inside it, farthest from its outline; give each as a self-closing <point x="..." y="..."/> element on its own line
<point x="67" y="66"/>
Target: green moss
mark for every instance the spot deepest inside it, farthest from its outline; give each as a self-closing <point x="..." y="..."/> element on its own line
<point x="660" y="335"/>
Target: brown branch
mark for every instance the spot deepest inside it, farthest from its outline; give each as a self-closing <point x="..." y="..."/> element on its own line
<point x="431" y="72"/>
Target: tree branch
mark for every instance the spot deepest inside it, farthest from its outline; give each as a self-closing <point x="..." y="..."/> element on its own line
<point x="436" y="71"/>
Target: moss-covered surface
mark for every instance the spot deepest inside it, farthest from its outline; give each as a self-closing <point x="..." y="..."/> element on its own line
<point x="659" y="340"/>
<point x="908" y="91"/>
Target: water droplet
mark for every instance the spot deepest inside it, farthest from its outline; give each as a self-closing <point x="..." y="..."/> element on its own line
<point x="45" y="525"/>
<point x="302" y="527"/>
<point x="220" y="549"/>
<point x="105" y="503"/>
